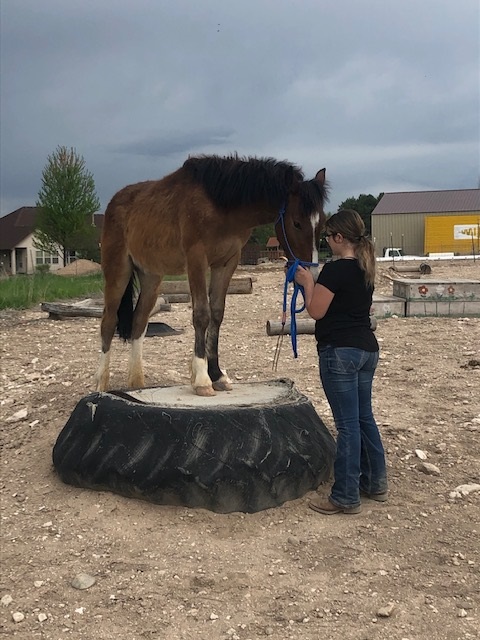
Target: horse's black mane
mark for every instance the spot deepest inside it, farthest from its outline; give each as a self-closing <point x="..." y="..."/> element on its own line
<point x="234" y="181"/>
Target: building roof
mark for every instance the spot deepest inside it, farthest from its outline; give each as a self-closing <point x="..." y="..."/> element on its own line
<point x="429" y="201"/>
<point x="18" y="225"/>
<point x="273" y="243"/>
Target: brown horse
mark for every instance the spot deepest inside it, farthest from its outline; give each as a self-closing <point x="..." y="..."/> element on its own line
<point x="195" y="220"/>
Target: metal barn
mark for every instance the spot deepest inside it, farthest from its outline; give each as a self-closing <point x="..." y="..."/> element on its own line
<point x="422" y="222"/>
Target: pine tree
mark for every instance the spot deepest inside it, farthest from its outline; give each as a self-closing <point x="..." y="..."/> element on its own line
<point x="66" y="203"/>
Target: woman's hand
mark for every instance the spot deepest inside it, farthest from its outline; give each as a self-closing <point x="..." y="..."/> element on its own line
<point x="317" y="297"/>
<point x="303" y="276"/>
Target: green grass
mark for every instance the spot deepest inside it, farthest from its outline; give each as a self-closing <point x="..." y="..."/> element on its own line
<point x="24" y="292"/>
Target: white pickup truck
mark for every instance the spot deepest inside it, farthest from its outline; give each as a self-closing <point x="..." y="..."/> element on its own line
<point x="393" y="254"/>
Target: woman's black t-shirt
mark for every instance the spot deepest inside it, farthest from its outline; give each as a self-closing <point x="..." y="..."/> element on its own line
<point x="347" y="321"/>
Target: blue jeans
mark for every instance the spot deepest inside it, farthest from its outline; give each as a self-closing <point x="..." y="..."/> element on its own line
<point x="347" y="376"/>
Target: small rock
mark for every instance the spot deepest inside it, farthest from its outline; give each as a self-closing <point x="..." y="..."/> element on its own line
<point x="386" y="612"/>
<point x="213" y="616"/>
<point x="420" y="454"/>
<point x="428" y="468"/>
<point x="42" y="617"/>
<point x="464" y="490"/>
<point x="6" y="599"/>
<point x="18" y="616"/>
<point x="38" y="583"/>
<point x="83" y="581"/>
<point x="19" y="415"/>
<point x="461" y="613"/>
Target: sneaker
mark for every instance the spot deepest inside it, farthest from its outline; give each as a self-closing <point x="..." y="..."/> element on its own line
<point x="328" y="508"/>
<point x="378" y="497"/>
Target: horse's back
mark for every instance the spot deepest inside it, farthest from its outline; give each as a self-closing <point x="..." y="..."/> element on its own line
<point x="153" y="221"/>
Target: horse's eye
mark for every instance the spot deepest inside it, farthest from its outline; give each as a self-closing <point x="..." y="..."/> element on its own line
<point x="297" y="225"/>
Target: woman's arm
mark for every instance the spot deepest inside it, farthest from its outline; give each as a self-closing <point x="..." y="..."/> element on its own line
<point x="317" y="297"/>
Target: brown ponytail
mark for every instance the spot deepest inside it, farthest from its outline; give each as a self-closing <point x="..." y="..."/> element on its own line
<point x="349" y="223"/>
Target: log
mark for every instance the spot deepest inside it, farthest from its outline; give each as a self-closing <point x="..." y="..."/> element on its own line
<point x="237" y="285"/>
<point x="306" y="325"/>
<point x="411" y="268"/>
<point x="274" y="328"/>
<point x="177" y="297"/>
<point x="88" y="309"/>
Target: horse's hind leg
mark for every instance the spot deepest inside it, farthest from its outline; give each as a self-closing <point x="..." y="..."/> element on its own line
<point x="219" y="281"/>
<point x="149" y="288"/>
<point x="116" y="282"/>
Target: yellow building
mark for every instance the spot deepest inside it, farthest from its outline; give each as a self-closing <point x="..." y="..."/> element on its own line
<point x="423" y="222"/>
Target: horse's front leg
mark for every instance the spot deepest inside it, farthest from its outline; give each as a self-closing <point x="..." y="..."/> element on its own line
<point x="220" y="279"/>
<point x="201" y="382"/>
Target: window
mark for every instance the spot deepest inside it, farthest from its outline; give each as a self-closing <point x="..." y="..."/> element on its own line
<point x="42" y="257"/>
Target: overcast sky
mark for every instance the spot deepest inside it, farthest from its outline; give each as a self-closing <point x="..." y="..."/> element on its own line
<point x="384" y="94"/>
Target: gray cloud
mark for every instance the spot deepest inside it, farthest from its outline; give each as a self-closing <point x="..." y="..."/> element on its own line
<point x="173" y="143"/>
<point x="384" y="95"/>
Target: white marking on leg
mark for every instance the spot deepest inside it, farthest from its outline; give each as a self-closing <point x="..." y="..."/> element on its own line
<point x="200" y="377"/>
<point x="103" y="372"/>
<point x="135" y="365"/>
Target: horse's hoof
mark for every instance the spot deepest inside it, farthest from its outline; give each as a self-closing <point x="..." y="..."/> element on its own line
<point x="205" y="391"/>
<point x="222" y="385"/>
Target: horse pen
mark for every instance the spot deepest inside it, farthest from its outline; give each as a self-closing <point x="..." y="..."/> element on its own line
<point x="405" y="569"/>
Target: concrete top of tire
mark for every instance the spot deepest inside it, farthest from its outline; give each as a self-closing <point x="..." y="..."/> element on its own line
<point x="246" y="394"/>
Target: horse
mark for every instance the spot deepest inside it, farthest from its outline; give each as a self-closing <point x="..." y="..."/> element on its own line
<point x="196" y="220"/>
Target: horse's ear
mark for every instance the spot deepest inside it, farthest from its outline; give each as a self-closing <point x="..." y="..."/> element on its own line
<point x="320" y="177"/>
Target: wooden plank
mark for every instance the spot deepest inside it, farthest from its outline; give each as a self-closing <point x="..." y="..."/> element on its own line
<point x="89" y="308"/>
<point x="237" y="285"/>
<point x="274" y="328"/>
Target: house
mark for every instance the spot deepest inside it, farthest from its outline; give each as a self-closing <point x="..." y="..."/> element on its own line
<point x="17" y="251"/>
<point x="423" y="222"/>
<point x="274" y="250"/>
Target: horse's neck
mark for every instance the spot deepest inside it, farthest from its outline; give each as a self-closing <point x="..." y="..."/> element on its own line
<point x="256" y="217"/>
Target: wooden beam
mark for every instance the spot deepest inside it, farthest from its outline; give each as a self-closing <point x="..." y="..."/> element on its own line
<point x="237" y="285"/>
<point x="274" y="328"/>
<point x="89" y="308"/>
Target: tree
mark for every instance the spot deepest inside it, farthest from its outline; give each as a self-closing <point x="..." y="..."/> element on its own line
<point x="364" y="205"/>
<point x="66" y="203"/>
<point x="260" y="235"/>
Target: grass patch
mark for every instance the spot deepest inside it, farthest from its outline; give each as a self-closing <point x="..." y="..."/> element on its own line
<point x="24" y="292"/>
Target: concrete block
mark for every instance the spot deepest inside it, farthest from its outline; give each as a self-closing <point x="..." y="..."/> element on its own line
<point x="454" y="307"/>
<point x="387" y="306"/>
<point x="428" y="289"/>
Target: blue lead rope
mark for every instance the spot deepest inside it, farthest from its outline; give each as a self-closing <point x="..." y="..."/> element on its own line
<point x="290" y="277"/>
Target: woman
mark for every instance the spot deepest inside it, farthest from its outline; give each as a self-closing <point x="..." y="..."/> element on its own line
<point x="340" y="303"/>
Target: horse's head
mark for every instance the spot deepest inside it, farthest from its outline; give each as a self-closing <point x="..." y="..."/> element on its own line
<point x="301" y="222"/>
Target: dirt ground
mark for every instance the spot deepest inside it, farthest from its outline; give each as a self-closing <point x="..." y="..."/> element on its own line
<point x="406" y="570"/>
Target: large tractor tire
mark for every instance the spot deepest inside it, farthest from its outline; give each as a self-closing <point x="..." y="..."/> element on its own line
<point x="246" y="450"/>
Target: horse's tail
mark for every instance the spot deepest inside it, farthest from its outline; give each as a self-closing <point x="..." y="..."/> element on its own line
<point x="125" y="311"/>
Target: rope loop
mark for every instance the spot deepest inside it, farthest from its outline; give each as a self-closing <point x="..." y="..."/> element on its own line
<point x="297" y="289"/>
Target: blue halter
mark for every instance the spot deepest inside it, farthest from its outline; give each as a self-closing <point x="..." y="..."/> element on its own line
<point x="290" y="277"/>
